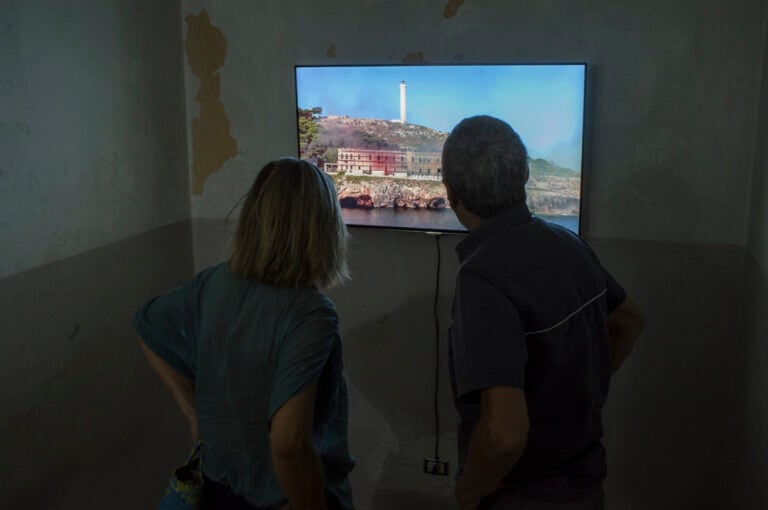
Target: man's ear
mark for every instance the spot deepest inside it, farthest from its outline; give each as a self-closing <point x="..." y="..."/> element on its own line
<point x="453" y="199"/>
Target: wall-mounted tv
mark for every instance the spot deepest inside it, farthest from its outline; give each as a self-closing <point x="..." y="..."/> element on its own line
<point x="379" y="131"/>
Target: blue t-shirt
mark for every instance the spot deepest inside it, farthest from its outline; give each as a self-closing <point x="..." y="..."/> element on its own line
<point x="249" y="348"/>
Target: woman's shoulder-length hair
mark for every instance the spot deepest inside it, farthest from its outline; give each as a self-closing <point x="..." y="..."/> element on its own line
<point x="290" y="230"/>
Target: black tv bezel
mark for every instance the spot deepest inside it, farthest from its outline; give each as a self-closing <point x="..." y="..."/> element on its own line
<point x="585" y="127"/>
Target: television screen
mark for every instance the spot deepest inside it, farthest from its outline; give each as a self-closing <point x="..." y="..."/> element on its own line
<point x="379" y="131"/>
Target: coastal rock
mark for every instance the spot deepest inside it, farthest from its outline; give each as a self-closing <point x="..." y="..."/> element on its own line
<point x="552" y="196"/>
<point x="369" y="194"/>
<point x="553" y="204"/>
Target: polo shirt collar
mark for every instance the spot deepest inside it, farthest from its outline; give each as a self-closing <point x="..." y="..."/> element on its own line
<point x="507" y="219"/>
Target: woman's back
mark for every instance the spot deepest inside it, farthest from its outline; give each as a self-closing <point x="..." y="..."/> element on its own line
<point x="249" y="348"/>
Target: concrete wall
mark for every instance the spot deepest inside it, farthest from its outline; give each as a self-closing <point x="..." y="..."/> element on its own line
<point x="675" y="88"/>
<point x="757" y="241"/>
<point x="94" y="202"/>
<point x="84" y="420"/>
<point x="748" y="431"/>
<point x="91" y="126"/>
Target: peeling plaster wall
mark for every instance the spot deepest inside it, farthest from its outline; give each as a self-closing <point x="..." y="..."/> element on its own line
<point x="212" y="145"/>
<point x="675" y="86"/>
<point x="667" y="205"/>
<point x="92" y="137"/>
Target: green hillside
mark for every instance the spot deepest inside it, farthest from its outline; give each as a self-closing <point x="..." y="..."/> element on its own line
<point x="335" y="132"/>
<point x="324" y="135"/>
<point x="542" y="168"/>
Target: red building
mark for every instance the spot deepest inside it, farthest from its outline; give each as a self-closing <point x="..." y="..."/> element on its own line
<point x="388" y="162"/>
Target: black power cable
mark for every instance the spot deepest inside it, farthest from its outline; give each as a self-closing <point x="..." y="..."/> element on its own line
<point x="437" y="350"/>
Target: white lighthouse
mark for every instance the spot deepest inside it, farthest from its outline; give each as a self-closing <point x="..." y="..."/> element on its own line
<point x="402" y="102"/>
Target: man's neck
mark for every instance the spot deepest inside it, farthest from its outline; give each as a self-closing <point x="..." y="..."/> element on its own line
<point x="471" y="221"/>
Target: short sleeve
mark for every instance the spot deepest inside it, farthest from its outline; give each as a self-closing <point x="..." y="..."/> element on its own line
<point x="303" y="353"/>
<point x="164" y="325"/>
<point x="487" y="337"/>
<point x="615" y="293"/>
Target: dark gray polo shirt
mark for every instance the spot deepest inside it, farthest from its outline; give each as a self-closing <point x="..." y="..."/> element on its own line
<point x="530" y="312"/>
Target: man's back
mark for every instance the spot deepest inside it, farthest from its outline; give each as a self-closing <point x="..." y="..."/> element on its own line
<point x="530" y="312"/>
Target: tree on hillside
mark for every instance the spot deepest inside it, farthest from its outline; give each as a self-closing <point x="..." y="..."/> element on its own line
<point x="308" y="126"/>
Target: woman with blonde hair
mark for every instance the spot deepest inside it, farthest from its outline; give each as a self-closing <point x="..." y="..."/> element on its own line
<point x="250" y="350"/>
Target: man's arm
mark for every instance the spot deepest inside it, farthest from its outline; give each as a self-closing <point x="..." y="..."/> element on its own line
<point x="296" y="464"/>
<point x="497" y="442"/>
<point x="625" y="324"/>
<point x="182" y="389"/>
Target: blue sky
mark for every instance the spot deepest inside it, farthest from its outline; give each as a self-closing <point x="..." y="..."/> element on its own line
<point x="543" y="103"/>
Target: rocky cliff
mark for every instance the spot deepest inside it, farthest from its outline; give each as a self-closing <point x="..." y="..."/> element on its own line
<point x="552" y="204"/>
<point x="365" y="193"/>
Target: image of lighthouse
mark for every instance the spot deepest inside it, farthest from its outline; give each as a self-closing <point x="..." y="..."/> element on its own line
<point x="403" y="118"/>
<point x="403" y="161"/>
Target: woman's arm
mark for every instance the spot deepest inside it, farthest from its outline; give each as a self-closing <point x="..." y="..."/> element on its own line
<point x="294" y="459"/>
<point x="182" y="389"/>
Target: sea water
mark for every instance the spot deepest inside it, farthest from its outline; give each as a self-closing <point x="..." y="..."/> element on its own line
<point x="426" y="219"/>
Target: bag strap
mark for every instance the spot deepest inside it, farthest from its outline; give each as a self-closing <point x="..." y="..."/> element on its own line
<point x="196" y="452"/>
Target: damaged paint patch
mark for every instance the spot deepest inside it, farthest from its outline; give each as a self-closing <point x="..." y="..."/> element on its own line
<point x="413" y="58"/>
<point x="212" y="144"/>
<point x="451" y="8"/>
<point x="331" y="53"/>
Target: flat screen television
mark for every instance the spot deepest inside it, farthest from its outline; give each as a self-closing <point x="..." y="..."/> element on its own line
<point x="378" y="130"/>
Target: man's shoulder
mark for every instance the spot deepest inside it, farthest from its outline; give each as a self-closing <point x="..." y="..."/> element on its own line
<point x="533" y="243"/>
<point x="537" y="259"/>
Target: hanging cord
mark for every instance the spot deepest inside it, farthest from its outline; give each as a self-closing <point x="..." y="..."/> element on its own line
<point x="437" y="349"/>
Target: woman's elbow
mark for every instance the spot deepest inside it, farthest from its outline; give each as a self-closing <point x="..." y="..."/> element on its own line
<point x="510" y="440"/>
<point x="288" y="448"/>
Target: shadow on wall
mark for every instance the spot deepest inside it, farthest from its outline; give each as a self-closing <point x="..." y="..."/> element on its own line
<point x="390" y="368"/>
<point x="665" y="420"/>
<point x="747" y="465"/>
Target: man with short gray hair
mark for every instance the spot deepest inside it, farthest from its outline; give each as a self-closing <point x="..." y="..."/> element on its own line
<point x="539" y="327"/>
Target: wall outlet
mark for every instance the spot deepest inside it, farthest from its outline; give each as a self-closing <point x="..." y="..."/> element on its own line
<point x="436" y="467"/>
